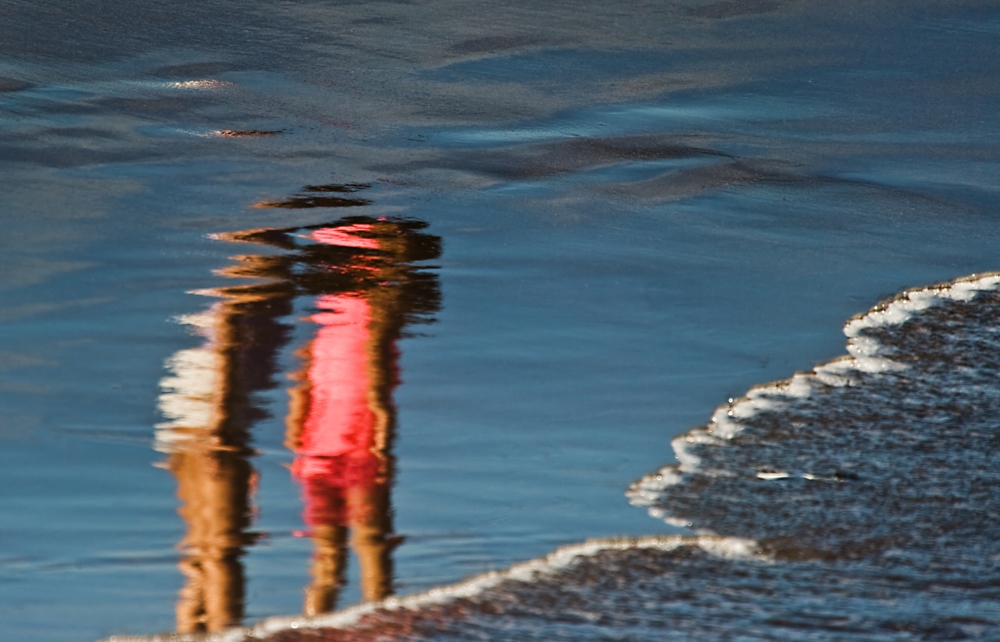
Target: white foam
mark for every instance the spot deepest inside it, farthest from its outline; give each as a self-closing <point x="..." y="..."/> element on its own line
<point x="561" y="558"/>
<point x="799" y="386"/>
<point x="688" y="461"/>
<point x="649" y="489"/>
<point x="202" y="84"/>
<point x="723" y="423"/>
<point x="903" y="307"/>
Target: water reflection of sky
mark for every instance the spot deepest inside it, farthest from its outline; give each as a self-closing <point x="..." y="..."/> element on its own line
<point x="591" y="314"/>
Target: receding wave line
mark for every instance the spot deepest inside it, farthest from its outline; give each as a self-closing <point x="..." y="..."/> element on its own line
<point x="866" y="355"/>
<point x="724" y="548"/>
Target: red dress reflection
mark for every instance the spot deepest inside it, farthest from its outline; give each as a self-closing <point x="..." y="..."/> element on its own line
<point x="338" y="429"/>
<point x="337" y="441"/>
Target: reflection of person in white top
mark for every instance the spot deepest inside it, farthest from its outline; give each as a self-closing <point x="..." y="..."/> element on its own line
<point x="208" y="402"/>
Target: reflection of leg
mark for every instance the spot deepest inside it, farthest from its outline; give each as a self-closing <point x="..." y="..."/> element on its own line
<point x="212" y="597"/>
<point x="213" y="488"/>
<point x="327" y="569"/>
<point x="371" y="526"/>
<point x="191" y="601"/>
<point x="223" y="589"/>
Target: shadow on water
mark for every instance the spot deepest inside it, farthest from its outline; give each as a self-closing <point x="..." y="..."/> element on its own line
<point x="321" y="196"/>
<point x="12" y="84"/>
<point x="363" y="277"/>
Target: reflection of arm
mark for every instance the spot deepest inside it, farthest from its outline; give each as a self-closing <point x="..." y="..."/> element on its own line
<point x="384" y="330"/>
<point x="298" y="406"/>
<point x="380" y="434"/>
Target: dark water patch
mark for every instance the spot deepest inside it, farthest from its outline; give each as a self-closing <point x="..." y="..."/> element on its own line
<point x="554" y="64"/>
<point x="378" y="20"/>
<point x="535" y="161"/>
<point x="93" y="30"/>
<point x="155" y="106"/>
<point x="64" y="156"/>
<point x="340" y="188"/>
<point x="734" y="8"/>
<point x="313" y="197"/>
<point x="683" y="182"/>
<point x="249" y="133"/>
<point x="78" y="133"/>
<point x="656" y="183"/>
<point x="196" y="69"/>
<point x="490" y="44"/>
<point x="13" y="84"/>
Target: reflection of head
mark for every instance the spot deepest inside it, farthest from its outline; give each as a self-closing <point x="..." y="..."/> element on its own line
<point x="357" y="254"/>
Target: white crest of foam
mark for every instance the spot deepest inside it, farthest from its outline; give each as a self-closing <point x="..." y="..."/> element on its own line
<point x="649" y="489"/>
<point x="724" y="424"/>
<point x="904" y="306"/>
<point x="688" y="460"/>
<point x="864" y="355"/>
<point x="837" y="373"/>
<point x="561" y="558"/>
<point x="202" y="84"/>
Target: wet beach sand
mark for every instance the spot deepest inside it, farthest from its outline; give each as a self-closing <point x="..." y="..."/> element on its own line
<point x="316" y="304"/>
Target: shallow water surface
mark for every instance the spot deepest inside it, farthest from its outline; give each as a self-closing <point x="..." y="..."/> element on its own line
<point x="317" y="303"/>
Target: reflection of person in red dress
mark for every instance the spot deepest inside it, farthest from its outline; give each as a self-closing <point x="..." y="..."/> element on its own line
<point x="342" y="418"/>
<point x="361" y="274"/>
<point x="335" y="440"/>
<point x="340" y="452"/>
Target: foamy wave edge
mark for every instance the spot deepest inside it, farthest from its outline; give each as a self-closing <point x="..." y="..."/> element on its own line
<point x="864" y="354"/>
<point x="561" y="558"/>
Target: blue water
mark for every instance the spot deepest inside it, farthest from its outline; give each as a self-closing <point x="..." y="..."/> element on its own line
<point x="642" y="214"/>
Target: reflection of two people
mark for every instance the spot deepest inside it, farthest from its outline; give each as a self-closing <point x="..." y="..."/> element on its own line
<point x="341" y="419"/>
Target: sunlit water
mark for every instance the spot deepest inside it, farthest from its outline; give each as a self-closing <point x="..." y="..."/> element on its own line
<point x="615" y="221"/>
